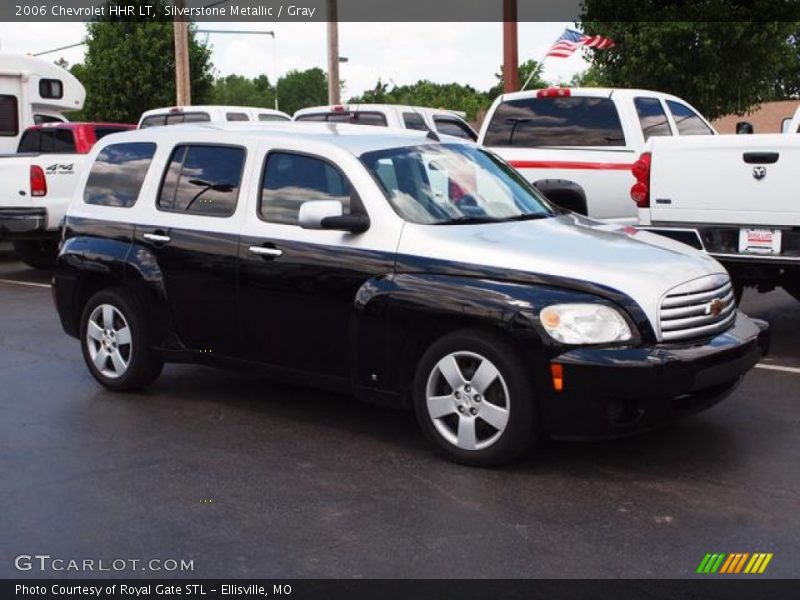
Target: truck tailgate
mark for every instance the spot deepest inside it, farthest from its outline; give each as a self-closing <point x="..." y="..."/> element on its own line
<point x="737" y="180"/>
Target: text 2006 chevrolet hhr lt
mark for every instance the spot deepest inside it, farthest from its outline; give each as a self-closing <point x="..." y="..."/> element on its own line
<point x="415" y="271"/>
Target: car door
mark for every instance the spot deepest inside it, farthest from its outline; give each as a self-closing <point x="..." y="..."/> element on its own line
<point x="300" y="289"/>
<point x="193" y="233"/>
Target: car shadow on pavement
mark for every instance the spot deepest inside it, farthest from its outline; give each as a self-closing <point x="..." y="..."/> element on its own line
<point x="695" y="446"/>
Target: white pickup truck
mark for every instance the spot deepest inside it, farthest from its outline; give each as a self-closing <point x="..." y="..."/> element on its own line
<point x="733" y="196"/>
<point x="577" y="145"/>
<point x="37" y="183"/>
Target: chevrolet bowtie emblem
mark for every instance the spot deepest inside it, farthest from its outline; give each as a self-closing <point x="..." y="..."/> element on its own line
<point x="715" y="307"/>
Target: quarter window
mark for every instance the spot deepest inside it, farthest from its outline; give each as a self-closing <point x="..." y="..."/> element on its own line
<point x="202" y="180"/>
<point x="566" y="121"/>
<point x="687" y="121"/>
<point x="455" y="128"/>
<point x="118" y="173"/>
<point x="414" y="121"/>
<point x="291" y="179"/>
<point x="652" y="118"/>
<point x="9" y="116"/>
<point x="269" y="117"/>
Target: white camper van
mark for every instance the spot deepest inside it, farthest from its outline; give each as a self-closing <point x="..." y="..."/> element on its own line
<point x="32" y="92"/>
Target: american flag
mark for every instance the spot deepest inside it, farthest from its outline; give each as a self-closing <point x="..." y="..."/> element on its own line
<point x="571" y="39"/>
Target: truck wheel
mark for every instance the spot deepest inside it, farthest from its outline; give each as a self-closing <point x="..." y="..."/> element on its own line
<point x="474" y="399"/>
<point x="115" y="342"/>
<point x="39" y="254"/>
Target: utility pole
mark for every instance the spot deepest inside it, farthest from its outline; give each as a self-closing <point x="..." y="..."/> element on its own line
<point x="183" y="91"/>
<point x="333" y="53"/>
<point x="510" y="47"/>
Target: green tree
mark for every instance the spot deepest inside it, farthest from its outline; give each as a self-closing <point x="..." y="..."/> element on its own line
<point x="237" y="90"/>
<point x="300" y="89"/>
<point x="452" y="96"/>
<point x="129" y="65"/>
<point x="530" y="68"/>
<point x="719" y="67"/>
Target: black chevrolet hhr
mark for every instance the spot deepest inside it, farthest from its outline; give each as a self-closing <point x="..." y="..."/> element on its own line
<point x="413" y="270"/>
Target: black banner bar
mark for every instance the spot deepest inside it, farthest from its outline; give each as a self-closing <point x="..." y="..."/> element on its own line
<point x="732" y="588"/>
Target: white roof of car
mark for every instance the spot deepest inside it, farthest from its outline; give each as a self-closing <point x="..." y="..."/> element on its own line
<point x="366" y="107"/>
<point x="355" y="139"/>
<point x="596" y="92"/>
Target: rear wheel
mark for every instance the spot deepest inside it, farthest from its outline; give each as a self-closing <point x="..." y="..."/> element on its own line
<point x="474" y="399"/>
<point x="115" y="342"/>
<point x="39" y="254"/>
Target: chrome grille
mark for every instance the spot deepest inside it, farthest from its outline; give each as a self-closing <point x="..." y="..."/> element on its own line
<point x="698" y="308"/>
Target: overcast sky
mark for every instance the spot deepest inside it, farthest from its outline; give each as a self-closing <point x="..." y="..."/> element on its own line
<point x="468" y="53"/>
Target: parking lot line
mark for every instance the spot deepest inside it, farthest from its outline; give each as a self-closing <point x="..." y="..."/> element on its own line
<point x="795" y="370"/>
<point x="25" y="283"/>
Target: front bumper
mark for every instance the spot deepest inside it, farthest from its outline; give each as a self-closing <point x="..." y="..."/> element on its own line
<point x="611" y="392"/>
<point x="22" y="222"/>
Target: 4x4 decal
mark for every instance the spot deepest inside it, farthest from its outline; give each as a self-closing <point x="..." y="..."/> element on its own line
<point x="60" y="169"/>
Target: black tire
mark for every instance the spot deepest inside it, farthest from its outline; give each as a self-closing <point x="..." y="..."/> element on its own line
<point x="521" y="427"/>
<point x="39" y="254"/>
<point x="143" y="364"/>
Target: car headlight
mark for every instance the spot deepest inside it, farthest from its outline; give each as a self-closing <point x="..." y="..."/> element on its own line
<point x="584" y="324"/>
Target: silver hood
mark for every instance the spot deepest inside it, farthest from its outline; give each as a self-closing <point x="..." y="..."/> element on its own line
<point x="637" y="263"/>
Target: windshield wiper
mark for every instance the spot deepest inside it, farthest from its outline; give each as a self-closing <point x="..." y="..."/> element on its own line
<point x="528" y="217"/>
<point x="468" y="220"/>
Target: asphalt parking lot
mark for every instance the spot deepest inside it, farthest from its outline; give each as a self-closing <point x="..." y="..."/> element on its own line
<point x="249" y="478"/>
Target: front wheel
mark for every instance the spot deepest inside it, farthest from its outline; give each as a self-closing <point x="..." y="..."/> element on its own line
<point x="474" y="399"/>
<point x="115" y="342"/>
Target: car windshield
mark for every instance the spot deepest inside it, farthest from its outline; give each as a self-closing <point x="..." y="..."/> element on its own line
<point x="443" y="184"/>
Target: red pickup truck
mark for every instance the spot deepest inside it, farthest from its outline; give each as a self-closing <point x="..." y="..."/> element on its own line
<point x="36" y="185"/>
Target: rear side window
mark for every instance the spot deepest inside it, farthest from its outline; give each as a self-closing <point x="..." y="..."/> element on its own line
<point x="153" y="121"/>
<point x="687" y="121"/>
<point x="652" y="118"/>
<point x="202" y="180"/>
<point x="565" y="121"/>
<point x="118" y="173"/>
<point x="291" y="179"/>
<point x="414" y="121"/>
<point x="455" y="128"/>
<point x="9" y="116"/>
<point x="237" y="116"/>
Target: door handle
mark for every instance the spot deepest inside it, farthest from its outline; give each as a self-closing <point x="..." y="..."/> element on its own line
<point x="263" y="251"/>
<point x="158" y="238"/>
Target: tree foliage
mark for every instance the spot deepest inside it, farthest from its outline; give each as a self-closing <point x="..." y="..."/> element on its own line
<point x="720" y="67"/>
<point x="129" y="66"/>
<point x="299" y="89"/>
<point x="237" y="90"/>
<point x="453" y="96"/>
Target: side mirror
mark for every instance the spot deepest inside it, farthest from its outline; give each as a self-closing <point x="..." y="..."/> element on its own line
<point x="744" y="127"/>
<point x="327" y="214"/>
<point x="785" y="124"/>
